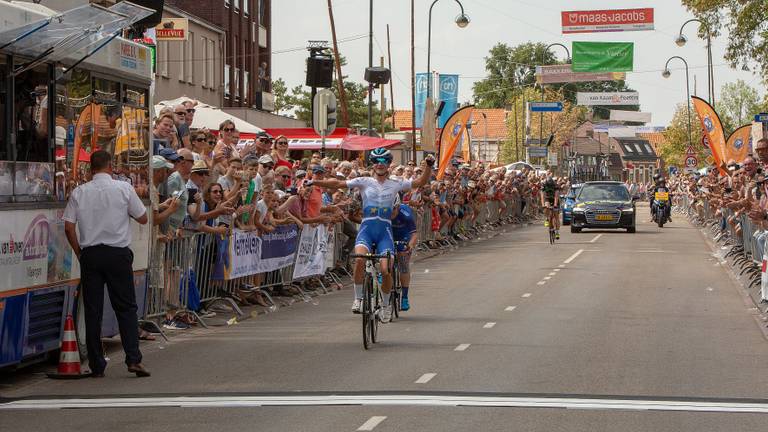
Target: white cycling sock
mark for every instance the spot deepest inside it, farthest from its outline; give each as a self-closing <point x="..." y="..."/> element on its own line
<point x="385" y="297"/>
<point x="358" y="291"/>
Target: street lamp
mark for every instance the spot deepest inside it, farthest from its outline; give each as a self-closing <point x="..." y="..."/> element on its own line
<point x="666" y="74"/>
<point x="462" y="21"/>
<point x="681" y="40"/>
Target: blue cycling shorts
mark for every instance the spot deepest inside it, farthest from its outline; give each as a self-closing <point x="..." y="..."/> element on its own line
<point x="376" y="233"/>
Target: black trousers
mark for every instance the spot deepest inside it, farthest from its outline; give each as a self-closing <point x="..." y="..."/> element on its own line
<point x="112" y="266"/>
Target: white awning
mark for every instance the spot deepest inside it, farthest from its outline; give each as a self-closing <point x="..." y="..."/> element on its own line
<point x="209" y="116"/>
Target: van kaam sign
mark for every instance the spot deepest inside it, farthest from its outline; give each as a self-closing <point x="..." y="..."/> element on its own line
<point x="595" y="21"/>
<point x="172" y="29"/>
<point x="617" y="98"/>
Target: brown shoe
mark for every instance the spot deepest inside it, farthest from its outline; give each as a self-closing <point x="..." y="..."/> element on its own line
<point x="139" y="370"/>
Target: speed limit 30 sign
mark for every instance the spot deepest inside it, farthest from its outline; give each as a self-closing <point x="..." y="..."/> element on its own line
<point x="691" y="162"/>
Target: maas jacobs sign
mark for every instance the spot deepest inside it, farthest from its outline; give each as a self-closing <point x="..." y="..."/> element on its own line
<point x="593" y="21"/>
<point x="602" y="56"/>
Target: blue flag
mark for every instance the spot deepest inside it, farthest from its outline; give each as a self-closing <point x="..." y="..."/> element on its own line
<point x="422" y="84"/>
<point x="449" y="93"/>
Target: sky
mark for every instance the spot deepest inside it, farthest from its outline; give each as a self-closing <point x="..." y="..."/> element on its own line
<point x="462" y="51"/>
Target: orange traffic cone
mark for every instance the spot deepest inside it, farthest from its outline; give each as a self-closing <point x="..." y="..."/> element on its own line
<point x="69" y="359"/>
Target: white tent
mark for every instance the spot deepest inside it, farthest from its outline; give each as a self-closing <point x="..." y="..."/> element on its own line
<point x="208" y="116"/>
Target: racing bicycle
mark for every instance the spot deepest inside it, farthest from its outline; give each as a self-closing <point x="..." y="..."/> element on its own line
<point x="372" y="299"/>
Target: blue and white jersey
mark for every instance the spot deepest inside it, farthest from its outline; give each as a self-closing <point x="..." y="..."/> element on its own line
<point x="378" y="198"/>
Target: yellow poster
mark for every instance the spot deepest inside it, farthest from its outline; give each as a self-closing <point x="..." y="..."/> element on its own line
<point x="451" y="136"/>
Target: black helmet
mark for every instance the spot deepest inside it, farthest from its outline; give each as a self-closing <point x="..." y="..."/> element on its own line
<point x="661" y="179"/>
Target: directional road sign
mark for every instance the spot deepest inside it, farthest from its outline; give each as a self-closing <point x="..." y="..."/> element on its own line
<point x="545" y="106"/>
<point x="761" y="118"/>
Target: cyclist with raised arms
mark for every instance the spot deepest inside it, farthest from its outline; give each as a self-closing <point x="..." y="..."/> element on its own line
<point x="375" y="235"/>
<point x="550" y="200"/>
<point x="406" y="238"/>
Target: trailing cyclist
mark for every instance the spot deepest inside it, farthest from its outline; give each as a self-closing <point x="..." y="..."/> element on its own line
<point x="375" y="235"/>
<point x="406" y="239"/>
<point x="550" y="200"/>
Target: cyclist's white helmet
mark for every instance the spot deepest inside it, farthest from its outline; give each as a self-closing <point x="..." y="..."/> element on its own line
<point x="380" y="152"/>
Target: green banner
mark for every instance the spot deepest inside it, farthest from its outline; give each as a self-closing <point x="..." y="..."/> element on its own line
<point x="602" y="56"/>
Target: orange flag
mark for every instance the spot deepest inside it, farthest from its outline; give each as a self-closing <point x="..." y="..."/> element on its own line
<point x="713" y="130"/>
<point x="739" y="144"/>
<point x="451" y="136"/>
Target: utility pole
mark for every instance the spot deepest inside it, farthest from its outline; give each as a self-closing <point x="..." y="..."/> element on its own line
<point x="391" y="87"/>
<point x="383" y="102"/>
<point x="339" y="79"/>
<point x="413" y="86"/>
<point x="370" y="65"/>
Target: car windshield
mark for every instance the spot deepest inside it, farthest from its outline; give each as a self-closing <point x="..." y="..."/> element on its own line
<point x="604" y="192"/>
<point x="573" y="191"/>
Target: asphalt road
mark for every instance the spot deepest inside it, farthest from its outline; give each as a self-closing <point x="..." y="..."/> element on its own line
<point x="602" y="331"/>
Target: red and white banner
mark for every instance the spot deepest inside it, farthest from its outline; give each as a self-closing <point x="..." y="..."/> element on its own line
<point x="607" y="20"/>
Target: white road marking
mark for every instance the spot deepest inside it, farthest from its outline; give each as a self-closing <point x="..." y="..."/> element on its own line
<point x="596" y="238"/>
<point x="556" y="270"/>
<point x="547" y="277"/>
<point x="561" y="265"/>
<point x="540" y="283"/>
<point x="427" y="377"/>
<point x="489" y="325"/>
<point x="573" y="257"/>
<point x="526" y="295"/>
<point x="510" y="308"/>
<point x="372" y="423"/>
<point x="436" y="400"/>
<point x="462" y="347"/>
<point x="552" y="273"/>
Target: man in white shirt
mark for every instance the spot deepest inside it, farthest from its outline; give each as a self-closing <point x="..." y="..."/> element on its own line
<point x="102" y="208"/>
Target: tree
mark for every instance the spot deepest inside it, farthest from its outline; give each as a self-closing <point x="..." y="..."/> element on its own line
<point x="673" y="149"/>
<point x="283" y="101"/>
<point x="737" y="105"/>
<point x="747" y="25"/>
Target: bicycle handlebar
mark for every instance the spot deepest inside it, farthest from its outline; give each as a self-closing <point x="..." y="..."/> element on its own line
<point x="371" y="256"/>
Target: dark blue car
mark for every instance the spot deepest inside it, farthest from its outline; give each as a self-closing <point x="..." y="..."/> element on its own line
<point x="568" y="200"/>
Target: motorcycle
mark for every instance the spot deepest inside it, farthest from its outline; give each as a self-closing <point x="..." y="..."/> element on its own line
<point x="660" y="203"/>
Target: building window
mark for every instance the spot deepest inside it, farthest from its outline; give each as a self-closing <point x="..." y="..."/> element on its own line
<point x="237" y="6"/>
<point x="191" y="58"/>
<point x="246" y="8"/>
<point x="237" y="83"/>
<point x="182" y="63"/>
<point x="226" y="81"/>
<point x="253" y="31"/>
<point x="210" y="62"/>
<point x="204" y="62"/>
<point x="245" y="86"/>
<point x="263" y="12"/>
<point x="226" y="3"/>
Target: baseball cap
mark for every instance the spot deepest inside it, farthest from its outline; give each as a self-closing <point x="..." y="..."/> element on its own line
<point x="318" y="169"/>
<point x="266" y="159"/>
<point x="160" y="162"/>
<point x="264" y="134"/>
<point x="301" y="173"/>
<point x="199" y="167"/>
<point x="170" y="154"/>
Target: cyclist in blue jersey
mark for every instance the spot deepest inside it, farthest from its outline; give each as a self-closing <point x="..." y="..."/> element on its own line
<point x="406" y="238"/>
<point x="375" y="235"/>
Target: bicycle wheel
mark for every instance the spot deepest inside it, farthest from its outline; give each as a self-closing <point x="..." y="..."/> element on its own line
<point x="367" y="310"/>
<point x="551" y="236"/>
<point x="376" y="303"/>
<point x="394" y="297"/>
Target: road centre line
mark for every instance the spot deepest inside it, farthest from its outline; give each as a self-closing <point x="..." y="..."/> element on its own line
<point x="596" y="238"/>
<point x="759" y="406"/>
<point x="427" y="377"/>
<point x="561" y="265"/>
<point x="372" y="423"/>
<point x="552" y="273"/>
<point x="542" y="282"/>
<point x="574" y="256"/>
<point x="510" y="308"/>
<point x="462" y="347"/>
<point x="489" y="325"/>
<point x="526" y="295"/>
<point x="547" y="277"/>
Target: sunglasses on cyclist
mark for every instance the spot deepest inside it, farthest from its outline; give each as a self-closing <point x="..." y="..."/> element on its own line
<point x="381" y="161"/>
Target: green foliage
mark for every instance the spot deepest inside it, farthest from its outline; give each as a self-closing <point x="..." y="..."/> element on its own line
<point x="673" y="150"/>
<point x="747" y="25"/>
<point x="737" y="105"/>
<point x="283" y="101"/>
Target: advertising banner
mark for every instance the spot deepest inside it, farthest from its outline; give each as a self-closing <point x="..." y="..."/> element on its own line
<point x="449" y="93"/>
<point x="311" y="253"/>
<point x="739" y="144"/>
<point x="556" y="74"/>
<point x="616" y="98"/>
<point x="602" y="56"/>
<point x="248" y="253"/>
<point x="713" y="131"/>
<point x="172" y="29"/>
<point x="630" y="116"/>
<point x="452" y="136"/>
<point x="422" y="86"/>
<point x="278" y="248"/>
<point x="243" y="254"/>
<point x="594" y="21"/>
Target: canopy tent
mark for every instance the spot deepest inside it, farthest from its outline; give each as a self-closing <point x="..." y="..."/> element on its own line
<point x="209" y="116"/>
<point x="340" y="139"/>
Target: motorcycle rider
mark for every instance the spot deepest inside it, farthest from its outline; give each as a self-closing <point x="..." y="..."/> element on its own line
<point x="660" y="185"/>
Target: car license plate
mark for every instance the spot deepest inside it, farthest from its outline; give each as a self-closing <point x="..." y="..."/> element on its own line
<point x="604" y="217"/>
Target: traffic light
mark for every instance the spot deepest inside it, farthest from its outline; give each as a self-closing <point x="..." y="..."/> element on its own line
<point x="325" y="112"/>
